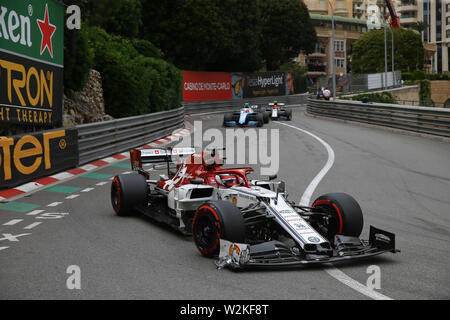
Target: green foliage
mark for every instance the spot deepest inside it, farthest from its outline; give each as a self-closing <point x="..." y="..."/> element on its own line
<point x="78" y="59"/>
<point x="383" y="97"/>
<point x="368" y="51"/>
<point x="425" y="94"/>
<point x="133" y="83"/>
<point x="146" y="48"/>
<point x="419" y="75"/>
<point x="232" y="35"/>
<point x="286" y="29"/>
<point x="121" y="17"/>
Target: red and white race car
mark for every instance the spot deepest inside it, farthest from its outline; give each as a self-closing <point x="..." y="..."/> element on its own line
<point x="244" y="223"/>
<point x="277" y="110"/>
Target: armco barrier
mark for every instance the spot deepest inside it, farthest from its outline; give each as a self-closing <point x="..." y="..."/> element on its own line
<point x="228" y="105"/>
<point x="102" y="139"/>
<point x="434" y="121"/>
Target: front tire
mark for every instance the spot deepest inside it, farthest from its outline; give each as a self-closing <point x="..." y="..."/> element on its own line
<point x="128" y="191"/>
<point x="226" y="119"/>
<point x="217" y="220"/>
<point x="346" y="215"/>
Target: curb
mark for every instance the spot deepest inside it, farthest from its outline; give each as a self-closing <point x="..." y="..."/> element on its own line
<point x="9" y="194"/>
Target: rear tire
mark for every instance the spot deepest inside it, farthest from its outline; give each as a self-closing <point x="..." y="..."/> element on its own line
<point x="128" y="191"/>
<point x="217" y="220"/>
<point x="347" y="215"/>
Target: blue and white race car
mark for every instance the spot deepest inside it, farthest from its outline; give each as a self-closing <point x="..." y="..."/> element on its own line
<point x="246" y="116"/>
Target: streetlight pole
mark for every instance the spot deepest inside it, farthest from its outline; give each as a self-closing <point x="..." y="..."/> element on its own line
<point x="333" y="63"/>
<point x="392" y="53"/>
<point x="385" y="55"/>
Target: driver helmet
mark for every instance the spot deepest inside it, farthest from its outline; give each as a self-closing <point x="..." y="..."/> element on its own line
<point x="246" y="105"/>
<point x="227" y="180"/>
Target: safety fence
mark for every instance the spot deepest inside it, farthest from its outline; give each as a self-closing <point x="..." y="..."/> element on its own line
<point x="101" y="139"/>
<point x="434" y="121"/>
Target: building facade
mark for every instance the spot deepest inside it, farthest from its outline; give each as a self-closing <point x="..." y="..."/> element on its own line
<point x="319" y="63"/>
<point x="436" y="35"/>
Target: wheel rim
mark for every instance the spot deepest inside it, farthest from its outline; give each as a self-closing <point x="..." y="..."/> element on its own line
<point x="331" y="226"/>
<point x="205" y="232"/>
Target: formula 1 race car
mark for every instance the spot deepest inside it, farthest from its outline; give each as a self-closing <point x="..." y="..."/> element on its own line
<point x="248" y="115"/>
<point x="243" y="223"/>
<point x="277" y="110"/>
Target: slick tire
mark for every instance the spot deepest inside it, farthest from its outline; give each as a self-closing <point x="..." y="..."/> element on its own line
<point x="260" y="119"/>
<point x="217" y="220"/>
<point x="266" y="117"/>
<point x="226" y="118"/>
<point x="128" y="191"/>
<point x="347" y="215"/>
<point x="289" y="114"/>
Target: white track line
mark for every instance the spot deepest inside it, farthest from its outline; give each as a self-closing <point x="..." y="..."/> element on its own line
<point x="31" y="226"/>
<point x="304" y="201"/>
<point x="34" y="212"/>
<point x="12" y="222"/>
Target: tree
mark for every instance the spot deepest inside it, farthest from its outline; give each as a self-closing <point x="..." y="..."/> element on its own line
<point x="286" y="29"/>
<point x="368" y="51"/>
<point x="121" y="17"/>
<point x="231" y="35"/>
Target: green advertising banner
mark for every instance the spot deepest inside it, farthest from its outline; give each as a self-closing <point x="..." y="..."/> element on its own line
<point x="31" y="62"/>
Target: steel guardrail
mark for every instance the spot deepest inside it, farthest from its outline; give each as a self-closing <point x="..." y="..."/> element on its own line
<point x="197" y="107"/>
<point x="434" y="121"/>
<point x="101" y="139"/>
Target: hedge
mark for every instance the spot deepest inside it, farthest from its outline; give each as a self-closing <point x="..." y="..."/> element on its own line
<point x="133" y="83"/>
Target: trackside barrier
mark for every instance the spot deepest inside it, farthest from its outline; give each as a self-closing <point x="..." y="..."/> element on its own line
<point x="232" y="104"/>
<point x="101" y="139"/>
<point x="434" y="121"/>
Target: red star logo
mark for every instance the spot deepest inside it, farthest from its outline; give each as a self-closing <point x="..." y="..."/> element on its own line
<point x="47" y="30"/>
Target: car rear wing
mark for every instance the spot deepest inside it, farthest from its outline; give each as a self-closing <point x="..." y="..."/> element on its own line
<point x="138" y="157"/>
<point x="280" y="104"/>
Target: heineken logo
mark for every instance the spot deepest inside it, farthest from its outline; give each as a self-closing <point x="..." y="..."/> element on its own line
<point x="17" y="28"/>
<point x="14" y="27"/>
<point x="33" y="30"/>
<point x="47" y="30"/>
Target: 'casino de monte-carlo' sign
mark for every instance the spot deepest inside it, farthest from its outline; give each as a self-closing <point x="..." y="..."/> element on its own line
<point x="31" y="62"/>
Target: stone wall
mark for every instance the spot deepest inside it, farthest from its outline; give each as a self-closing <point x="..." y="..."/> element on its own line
<point x="440" y="93"/>
<point x="87" y="105"/>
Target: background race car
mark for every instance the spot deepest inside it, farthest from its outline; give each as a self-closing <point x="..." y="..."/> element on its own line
<point x="278" y="110"/>
<point x="249" y="115"/>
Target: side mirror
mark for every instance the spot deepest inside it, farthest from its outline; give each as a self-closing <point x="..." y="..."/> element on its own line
<point x="272" y="177"/>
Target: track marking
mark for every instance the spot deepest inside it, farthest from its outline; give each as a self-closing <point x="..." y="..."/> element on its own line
<point x="12" y="222"/>
<point x="87" y="190"/>
<point x="102" y="183"/>
<point x="3" y="248"/>
<point x="31" y="226"/>
<point x="54" y="204"/>
<point x="34" y="212"/>
<point x="304" y="201"/>
<point x="72" y="196"/>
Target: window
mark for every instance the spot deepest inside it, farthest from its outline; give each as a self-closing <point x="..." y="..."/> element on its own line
<point x="340" y="63"/>
<point x="338" y="45"/>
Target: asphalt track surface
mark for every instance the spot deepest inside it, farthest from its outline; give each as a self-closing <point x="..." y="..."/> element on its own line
<point x="402" y="183"/>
